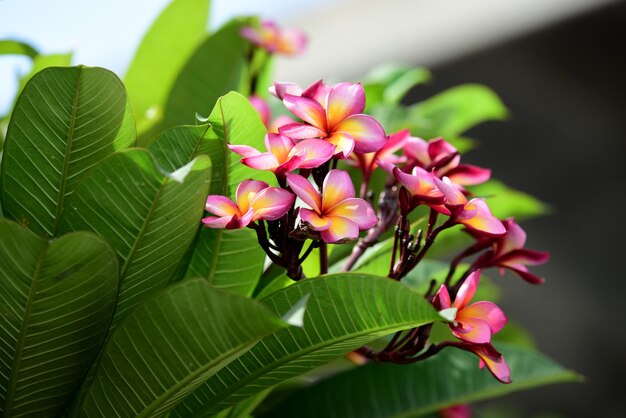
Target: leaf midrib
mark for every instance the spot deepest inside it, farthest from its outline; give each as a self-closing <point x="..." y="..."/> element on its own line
<point x="21" y="340"/>
<point x="68" y="153"/>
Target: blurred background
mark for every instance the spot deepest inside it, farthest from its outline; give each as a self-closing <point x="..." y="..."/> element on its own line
<point x="558" y="65"/>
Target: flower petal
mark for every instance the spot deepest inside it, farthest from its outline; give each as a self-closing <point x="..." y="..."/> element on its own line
<point x="442" y="298"/>
<point x="420" y="184"/>
<point x="279" y="145"/>
<point x="485" y="311"/>
<point x="523" y="272"/>
<point x="313" y="220"/>
<point x="318" y="91"/>
<point x="468" y="175"/>
<point x="240" y="222"/>
<point x="340" y="230"/>
<point x="515" y="237"/>
<point x="471" y="330"/>
<point x="523" y="256"/>
<point x="280" y="89"/>
<point x="265" y="161"/>
<point x="491" y="358"/>
<point x="305" y="191"/>
<point x="216" y="222"/>
<point x="394" y="143"/>
<point x="467" y="290"/>
<point x="344" y="99"/>
<point x="271" y="203"/>
<point x="297" y="130"/>
<point x="417" y="149"/>
<point x="291" y="42"/>
<point x="306" y="109"/>
<point x="453" y="195"/>
<point x="246" y="191"/>
<point x="279" y="122"/>
<point x="221" y="206"/>
<point x="483" y="220"/>
<point x="244" y="150"/>
<point x="337" y="187"/>
<point x="261" y="107"/>
<point x="343" y="142"/>
<point x="316" y="152"/>
<point x="368" y="135"/>
<point x="357" y="210"/>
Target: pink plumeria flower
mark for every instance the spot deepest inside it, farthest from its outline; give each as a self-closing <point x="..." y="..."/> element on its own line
<point x="474" y="323"/>
<point x="284" y="155"/>
<point x="262" y="108"/>
<point x="490" y="358"/>
<point x="333" y="113"/>
<point x="336" y="214"/>
<point x="421" y="188"/>
<point x="457" y="411"/>
<point x="474" y="214"/>
<point x="508" y="252"/>
<point x="275" y="39"/>
<point x="442" y="157"/>
<point x="256" y="201"/>
<point x="368" y="162"/>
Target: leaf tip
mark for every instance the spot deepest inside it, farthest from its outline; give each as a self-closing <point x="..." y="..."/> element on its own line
<point x="295" y="315"/>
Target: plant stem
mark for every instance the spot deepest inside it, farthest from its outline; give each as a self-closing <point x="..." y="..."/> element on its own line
<point x="323" y="258"/>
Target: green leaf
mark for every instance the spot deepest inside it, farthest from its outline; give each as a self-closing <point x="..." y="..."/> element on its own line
<point x="57" y="300"/>
<point x="456" y="110"/>
<point x="505" y="201"/>
<point x="171" y="344"/>
<point x="344" y="312"/>
<point x="65" y="122"/>
<point x="177" y="146"/>
<point x="11" y="47"/>
<point x="161" y="55"/>
<point x="389" y="390"/>
<point x="213" y="70"/>
<point x="149" y="216"/>
<point x="389" y="83"/>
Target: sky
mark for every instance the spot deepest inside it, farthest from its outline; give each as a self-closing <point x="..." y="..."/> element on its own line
<point x="105" y="32"/>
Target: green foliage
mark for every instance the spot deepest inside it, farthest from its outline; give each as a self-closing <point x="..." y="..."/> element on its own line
<point x="65" y="122"/>
<point x="388" y="84"/>
<point x="344" y="312"/>
<point x="170" y="345"/>
<point x="57" y="300"/>
<point x="505" y="202"/>
<point x="388" y="390"/>
<point x="11" y="47"/>
<point x="164" y="50"/>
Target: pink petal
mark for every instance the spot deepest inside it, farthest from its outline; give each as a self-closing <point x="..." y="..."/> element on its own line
<point x="525" y="257"/>
<point x="306" y="109"/>
<point x="313" y="220"/>
<point x="340" y="230"/>
<point x="221" y="206"/>
<point x="483" y="220"/>
<point x="442" y="298"/>
<point x="468" y="175"/>
<point x="337" y="187"/>
<point x="523" y="272"/>
<point x="471" y="330"/>
<point x="296" y="130"/>
<point x="246" y="191"/>
<point x="280" y="89"/>
<point x="357" y="210"/>
<point x="368" y="135"/>
<point x="467" y="290"/>
<point x="343" y="142"/>
<point x="316" y="152"/>
<point x="485" y="311"/>
<point x="386" y="165"/>
<point x="279" y="122"/>
<point x="305" y="191"/>
<point x="394" y="143"/>
<point x="417" y="149"/>
<point x="344" y="99"/>
<point x="216" y="222"/>
<point x="458" y="411"/>
<point x="244" y="150"/>
<point x="262" y="108"/>
<point x="240" y="222"/>
<point x="515" y="237"/>
<point x="279" y="145"/>
<point x="271" y="203"/>
<point x="291" y="164"/>
<point x="420" y="184"/>
<point x="291" y="42"/>
<point x="265" y="161"/>
<point x="453" y="195"/>
<point x="251" y="34"/>
<point x="318" y="91"/>
<point x="491" y="358"/>
<point x="439" y="148"/>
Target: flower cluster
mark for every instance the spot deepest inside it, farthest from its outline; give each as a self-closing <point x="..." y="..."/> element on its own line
<point x="316" y="202"/>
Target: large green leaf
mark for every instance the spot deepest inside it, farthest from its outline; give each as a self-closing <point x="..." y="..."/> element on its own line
<point x="456" y="110"/>
<point x="171" y="344"/>
<point x="505" y="201"/>
<point x="389" y="83"/>
<point x="65" y="121"/>
<point x="149" y="216"/>
<point x="214" y="69"/>
<point x="177" y="146"/>
<point x="12" y="47"/>
<point x="344" y="312"/>
<point x="393" y="391"/>
<point x="162" y="53"/>
<point x="56" y="304"/>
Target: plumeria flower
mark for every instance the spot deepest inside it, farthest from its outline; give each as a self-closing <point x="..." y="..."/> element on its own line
<point x="457" y="411"/>
<point x="508" y="252"/>
<point x="276" y="40"/>
<point x="256" y="201"/>
<point x="284" y="155"/>
<point x="473" y="323"/>
<point x="442" y="157"/>
<point x="490" y="358"/>
<point x="333" y="113"/>
<point x="421" y="188"/>
<point x="474" y="214"/>
<point x="368" y="162"/>
<point x="336" y="214"/>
